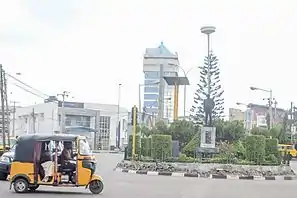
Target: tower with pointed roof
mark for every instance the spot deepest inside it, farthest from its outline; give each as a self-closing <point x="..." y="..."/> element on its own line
<point x="153" y="58"/>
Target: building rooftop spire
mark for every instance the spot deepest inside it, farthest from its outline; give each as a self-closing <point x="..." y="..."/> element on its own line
<point x="161" y="50"/>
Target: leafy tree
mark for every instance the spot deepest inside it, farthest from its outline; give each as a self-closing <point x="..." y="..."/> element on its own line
<point x="229" y="130"/>
<point x="284" y="129"/>
<point x="260" y="131"/>
<point x="209" y="86"/>
<point x="183" y="131"/>
<point x="145" y="131"/>
<point x="160" y="128"/>
<point x="277" y="132"/>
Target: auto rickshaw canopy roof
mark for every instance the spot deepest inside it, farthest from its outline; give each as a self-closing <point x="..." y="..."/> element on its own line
<point x="27" y="145"/>
<point x="45" y="137"/>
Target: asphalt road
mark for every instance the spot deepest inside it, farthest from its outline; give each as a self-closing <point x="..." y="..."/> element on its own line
<point x="124" y="185"/>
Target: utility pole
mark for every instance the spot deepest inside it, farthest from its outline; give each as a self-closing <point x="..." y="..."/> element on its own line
<point x="272" y="118"/>
<point x="64" y="95"/>
<point x="161" y="94"/>
<point x="34" y="120"/>
<point x="2" y="106"/>
<point x="118" y="134"/>
<point x="270" y="108"/>
<point x="134" y="124"/>
<point x="13" y="117"/>
<point x="275" y="111"/>
<point x="291" y="121"/>
<point x="7" y="109"/>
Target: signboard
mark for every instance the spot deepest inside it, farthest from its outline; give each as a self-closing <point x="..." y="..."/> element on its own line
<point x="208" y="137"/>
<point x="261" y="121"/>
<point x="72" y="104"/>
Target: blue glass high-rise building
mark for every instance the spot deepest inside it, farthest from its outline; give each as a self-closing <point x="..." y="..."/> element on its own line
<point x="153" y="58"/>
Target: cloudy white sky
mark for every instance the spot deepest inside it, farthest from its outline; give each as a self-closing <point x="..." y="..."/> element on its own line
<point x="88" y="47"/>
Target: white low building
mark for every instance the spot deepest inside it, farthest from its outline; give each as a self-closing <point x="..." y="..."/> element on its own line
<point x="101" y="117"/>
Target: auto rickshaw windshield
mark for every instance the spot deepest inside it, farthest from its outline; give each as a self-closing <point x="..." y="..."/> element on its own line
<point x="84" y="147"/>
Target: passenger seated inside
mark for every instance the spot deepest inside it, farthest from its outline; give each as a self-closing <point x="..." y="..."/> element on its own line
<point x="66" y="157"/>
<point x="47" y="162"/>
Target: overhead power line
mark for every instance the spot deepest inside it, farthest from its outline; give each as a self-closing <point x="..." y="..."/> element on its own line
<point x="18" y="80"/>
<point x="29" y="91"/>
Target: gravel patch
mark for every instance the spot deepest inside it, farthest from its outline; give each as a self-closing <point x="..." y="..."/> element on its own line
<point x="204" y="170"/>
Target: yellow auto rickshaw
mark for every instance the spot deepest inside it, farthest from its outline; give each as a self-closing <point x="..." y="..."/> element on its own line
<point x="28" y="170"/>
<point x="290" y="149"/>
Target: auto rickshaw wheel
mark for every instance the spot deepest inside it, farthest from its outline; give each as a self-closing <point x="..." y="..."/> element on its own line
<point x="20" y="185"/>
<point x="96" y="186"/>
<point x="33" y="188"/>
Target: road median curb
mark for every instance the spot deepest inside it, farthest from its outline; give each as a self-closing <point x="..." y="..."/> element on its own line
<point x="212" y="176"/>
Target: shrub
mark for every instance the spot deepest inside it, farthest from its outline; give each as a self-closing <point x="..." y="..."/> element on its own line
<point x="184" y="159"/>
<point x="227" y="152"/>
<point x="255" y="148"/>
<point x="161" y="147"/>
<point x="271" y="146"/>
<point x="137" y="144"/>
<point x="239" y="149"/>
<point x="146" y="147"/>
<point x="272" y="159"/>
<point x="190" y="149"/>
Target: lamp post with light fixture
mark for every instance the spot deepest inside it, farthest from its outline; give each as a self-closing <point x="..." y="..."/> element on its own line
<point x="269" y="102"/>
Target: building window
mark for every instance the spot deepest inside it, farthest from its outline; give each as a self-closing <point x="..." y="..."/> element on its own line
<point x="150" y="82"/>
<point x="150" y="104"/>
<point x="170" y="74"/>
<point x="103" y="136"/>
<point x="151" y="89"/>
<point x="151" y="74"/>
<point x="151" y="96"/>
<point x="151" y="110"/>
<point x="77" y="120"/>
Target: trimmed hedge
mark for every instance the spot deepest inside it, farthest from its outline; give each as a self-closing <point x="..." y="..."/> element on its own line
<point x="146" y="147"/>
<point x="255" y="148"/>
<point x="137" y="149"/>
<point x="161" y="146"/>
<point x="271" y="146"/>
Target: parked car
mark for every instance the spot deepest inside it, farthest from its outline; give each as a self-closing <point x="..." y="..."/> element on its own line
<point x="12" y="142"/>
<point x="5" y="162"/>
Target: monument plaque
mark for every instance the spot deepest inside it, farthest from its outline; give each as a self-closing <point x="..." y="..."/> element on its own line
<point x="208" y="137"/>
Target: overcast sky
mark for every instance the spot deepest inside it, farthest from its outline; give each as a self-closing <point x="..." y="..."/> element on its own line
<point x="88" y="47"/>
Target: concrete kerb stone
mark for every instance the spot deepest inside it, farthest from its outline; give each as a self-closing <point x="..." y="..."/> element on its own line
<point x="213" y="176"/>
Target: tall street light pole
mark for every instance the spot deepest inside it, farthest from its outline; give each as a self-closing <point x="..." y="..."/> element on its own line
<point x="248" y="116"/>
<point x="270" y="102"/>
<point x="185" y="86"/>
<point x="118" y="117"/>
<point x="64" y="95"/>
<point x="208" y="30"/>
<point x="13" y="117"/>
